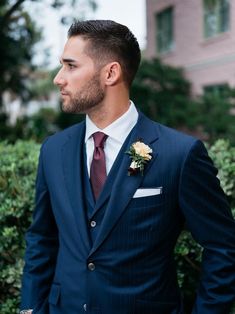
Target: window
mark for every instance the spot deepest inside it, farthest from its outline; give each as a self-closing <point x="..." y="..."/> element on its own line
<point x="216" y="17"/>
<point x="164" y="30"/>
<point x="216" y="90"/>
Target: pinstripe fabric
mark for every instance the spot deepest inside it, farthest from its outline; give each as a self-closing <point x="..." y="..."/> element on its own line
<point x="132" y="251"/>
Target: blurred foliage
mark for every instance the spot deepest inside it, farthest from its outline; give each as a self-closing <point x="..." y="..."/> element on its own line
<point x="163" y="94"/>
<point x="43" y="85"/>
<point x="23" y="80"/>
<point x="224" y="157"/>
<point x="217" y="116"/>
<point x="18" y="35"/>
<point x="17" y="175"/>
<point x="188" y="252"/>
<point x="159" y="90"/>
<point x="38" y="126"/>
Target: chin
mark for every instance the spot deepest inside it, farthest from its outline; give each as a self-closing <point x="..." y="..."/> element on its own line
<point x="66" y="108"/>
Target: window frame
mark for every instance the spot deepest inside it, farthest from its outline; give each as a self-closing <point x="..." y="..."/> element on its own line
<point x="165" y="32"/>
<point x="217" y="89"/>
<point x="218" y="14"/>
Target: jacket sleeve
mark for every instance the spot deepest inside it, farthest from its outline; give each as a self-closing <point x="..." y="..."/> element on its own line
<point x="41" y="249"/>
<point x="210" y="221"/>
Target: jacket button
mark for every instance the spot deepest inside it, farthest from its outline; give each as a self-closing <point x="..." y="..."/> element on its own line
<point x="93" y="223"/>
<point x="91" y="266"/>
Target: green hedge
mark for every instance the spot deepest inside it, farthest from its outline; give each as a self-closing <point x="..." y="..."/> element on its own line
<point x="17" y="176"/>
<point x="187" y="251"/>
<point x="18" y="165"/>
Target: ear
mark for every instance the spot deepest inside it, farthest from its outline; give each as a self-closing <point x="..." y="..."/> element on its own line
<point x="112" y="73"/>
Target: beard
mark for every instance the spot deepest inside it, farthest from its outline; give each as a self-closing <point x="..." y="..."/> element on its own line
<point x="91" y="96"/>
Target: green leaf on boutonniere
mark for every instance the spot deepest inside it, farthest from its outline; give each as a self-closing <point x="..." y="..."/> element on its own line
<point x="140" y="154"/>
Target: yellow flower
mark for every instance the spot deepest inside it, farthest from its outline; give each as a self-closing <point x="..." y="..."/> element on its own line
<point x="142" y="150"/>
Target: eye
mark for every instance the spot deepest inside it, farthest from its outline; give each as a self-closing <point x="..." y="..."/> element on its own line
<point x="71" y="66"/>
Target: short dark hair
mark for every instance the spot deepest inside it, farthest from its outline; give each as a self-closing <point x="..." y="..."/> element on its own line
<point x="109" y="41"/>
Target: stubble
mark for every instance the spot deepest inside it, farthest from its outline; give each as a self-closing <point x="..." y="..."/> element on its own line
<point x="88" y="98"/>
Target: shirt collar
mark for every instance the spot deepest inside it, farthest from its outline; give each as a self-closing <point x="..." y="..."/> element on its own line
<point x="119" y="129"/>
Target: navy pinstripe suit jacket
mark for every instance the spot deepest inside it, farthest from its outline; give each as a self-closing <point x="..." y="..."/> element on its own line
<point x="132" y="254"/>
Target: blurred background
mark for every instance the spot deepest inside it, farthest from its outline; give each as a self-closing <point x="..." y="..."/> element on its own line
<point x="186" y="80"/>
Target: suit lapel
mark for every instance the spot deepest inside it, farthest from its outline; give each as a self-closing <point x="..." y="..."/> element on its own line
<point x="124" y="186"/>
<point x="89" y="194"/>
<point x="72" y="154"/>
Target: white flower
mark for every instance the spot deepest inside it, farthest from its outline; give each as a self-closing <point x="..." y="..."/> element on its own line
<point x="142" y="150"/>
<point x="134" y="165"/>
<point x="140" y="154"/>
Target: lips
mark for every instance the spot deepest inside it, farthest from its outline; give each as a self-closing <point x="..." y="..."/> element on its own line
<point x="63" y="93"/>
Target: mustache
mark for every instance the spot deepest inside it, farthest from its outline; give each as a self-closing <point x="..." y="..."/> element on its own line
<point x="64" y="92"/>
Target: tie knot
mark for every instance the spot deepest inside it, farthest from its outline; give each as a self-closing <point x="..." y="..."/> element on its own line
<point x="99" y="139"/>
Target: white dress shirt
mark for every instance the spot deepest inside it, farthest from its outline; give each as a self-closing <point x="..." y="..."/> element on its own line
<point x="117" y="133"/>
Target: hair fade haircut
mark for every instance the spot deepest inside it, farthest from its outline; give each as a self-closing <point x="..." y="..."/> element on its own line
<point x="109" y="41"/>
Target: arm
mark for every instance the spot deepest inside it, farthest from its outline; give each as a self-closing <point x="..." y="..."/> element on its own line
<point x="210" y="220"/>
<point x="41" y="249"/>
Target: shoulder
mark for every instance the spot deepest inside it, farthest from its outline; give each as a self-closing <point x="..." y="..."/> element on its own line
<point x="168" y="135"/>
<point x="171" y="133"/>
<point x="171" y="145"/>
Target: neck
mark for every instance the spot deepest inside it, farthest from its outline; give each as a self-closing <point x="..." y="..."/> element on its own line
<point x="109" y="110"/>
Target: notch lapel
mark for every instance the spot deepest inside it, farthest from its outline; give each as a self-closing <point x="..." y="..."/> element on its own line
<point x="72" y="154"/>
<point x="89" y="194"/>
<point x="124" y="186"/>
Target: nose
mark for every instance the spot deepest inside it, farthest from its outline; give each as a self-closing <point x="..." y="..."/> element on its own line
<point x="58" y="79"/>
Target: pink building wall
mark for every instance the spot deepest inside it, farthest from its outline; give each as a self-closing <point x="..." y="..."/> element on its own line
<point x="206" y="61"/>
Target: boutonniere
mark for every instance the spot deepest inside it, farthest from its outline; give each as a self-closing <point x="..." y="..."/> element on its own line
<point x="140" y="154"/>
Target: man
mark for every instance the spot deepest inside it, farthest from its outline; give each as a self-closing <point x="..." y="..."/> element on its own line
<point x="113" y="193"/>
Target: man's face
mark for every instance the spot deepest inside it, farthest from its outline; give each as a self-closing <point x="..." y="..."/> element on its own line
<point x="78" y="79"/>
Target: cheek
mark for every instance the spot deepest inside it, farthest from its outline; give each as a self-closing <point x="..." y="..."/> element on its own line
<point x="78" y="80"/>
<point x="75" y="83"/>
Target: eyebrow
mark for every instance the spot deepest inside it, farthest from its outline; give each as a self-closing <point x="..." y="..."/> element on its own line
<point x="67" y="60"/>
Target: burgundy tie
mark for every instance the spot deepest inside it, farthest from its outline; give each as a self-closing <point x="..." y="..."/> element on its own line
<point x="98" y="166"/>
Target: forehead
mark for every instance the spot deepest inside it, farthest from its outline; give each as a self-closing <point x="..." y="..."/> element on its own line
<point x="75" y="48"/>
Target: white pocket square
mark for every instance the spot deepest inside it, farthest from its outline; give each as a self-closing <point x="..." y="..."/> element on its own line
<point x="147" y="192"/>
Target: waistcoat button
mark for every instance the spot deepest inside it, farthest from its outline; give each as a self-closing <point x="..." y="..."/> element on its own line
<point x="93" y="223"/>
<point x="91" y="266"/>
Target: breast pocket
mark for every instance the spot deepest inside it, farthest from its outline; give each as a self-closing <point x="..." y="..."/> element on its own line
<point x="147" y="201"/>
<point x="141" y="220"/>
<point x="145" y="212"/>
